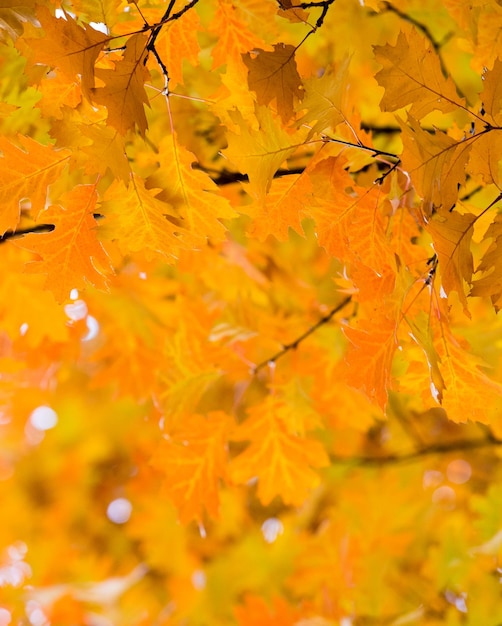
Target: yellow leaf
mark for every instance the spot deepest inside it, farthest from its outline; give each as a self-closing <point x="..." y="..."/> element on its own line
<point x="436" y="163"/>
<point x="137" y="220"/>
<point x="412" y="74"/>
<point x="260" y="153"/>
<point x="490" y="284"/>
<point x="325" y="99"/>
<point x="193" y="195"/>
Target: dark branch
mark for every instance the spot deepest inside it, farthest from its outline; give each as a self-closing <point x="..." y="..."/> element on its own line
<point x="406" y="457"/>
<point x="39" y="228"/>
<point x="294" y="344"/>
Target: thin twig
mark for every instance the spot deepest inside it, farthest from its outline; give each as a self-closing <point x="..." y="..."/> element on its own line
<point x="294" y="344"/>
<point x="440" y="448"/>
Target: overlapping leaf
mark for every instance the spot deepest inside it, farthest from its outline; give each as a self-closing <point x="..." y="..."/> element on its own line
<point x="273" y="76"/>
<point x="71" y="254"/>
<point x="192" y="194"/>
<point x="452" y="235"/>
<point x="192" y="462"/>
<point x="124" y="92"/>
<point x="71" y="48"/>
<point x="412" y="75"/>
<point x="282" y="461"/>
<point x="137" y="220"/>
<point x="260" y="153"/>
<point x="26" y="174"/>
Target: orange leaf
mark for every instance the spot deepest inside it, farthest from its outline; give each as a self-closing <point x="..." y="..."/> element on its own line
<point x="280" y="460"/>
<point x="26" y="174"/>
<point x="193" y="461"/>
<point x="68" y="46"/>
<point x="451" y="236"/>
<point x="274" y="77"/>
<point x="178" y="43"/>
<point x="283" y="207"/>
<point x="348" y="220"/>
<point x="369" y="359"/>
<point x="256" y="612"/>
<point x="124" y="92"/>
<point x="234" y="37"/>
<point x="71" y="254"/>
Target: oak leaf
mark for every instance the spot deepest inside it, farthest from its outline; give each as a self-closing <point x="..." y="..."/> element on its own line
<point x="178" y="43"/>
<point x="369" y="358"/>
<point x="71" y="48"/>
<point x="193" y="460"/>
<point x="138" y="220"/>
<point x="348" y="220"/>
<point x="490" y="283"/>
<point x="469" y="393"/>
<point x="124" y="92"/>
<point x="71" y="254"/>
<point x="282" y="461"/>
<point x="325" y="99"/>
<point x="192" y="194"/>
<point x="283" y="207"/>
<point x="26" y="173"/>
<point x="412" y="74"/>
<point x="451" y="236"/>
<point x="260" y="153"/>
<point x="234" y="38"/>
<point x="273" y="76"/>
<point x="436" y="163"/>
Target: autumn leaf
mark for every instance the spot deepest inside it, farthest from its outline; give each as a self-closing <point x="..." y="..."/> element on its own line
<point x="191" y="192"/>
<point x="469" y="393"/>
<point x="259" y="154"/>
<point x="437" y="165"/>
<point x="178" y="43"/>
<point x="274" y="78"/>
<point x="325" y="99"/>
<point x="123" y="92"/>
<point x="71" y="48"/>
<point x="451" y="236"/>
<point x="412" y="74"/>
<point x="490" y="283"/>
<point x="281" y="460"/>
<point x="369" y="360"/>
<point x="192" y="461"/>
<point x="234" y="36"/>
<point x="138" y="220"/>
<point x="26" y="172"/>
<point x="71" y="254"/>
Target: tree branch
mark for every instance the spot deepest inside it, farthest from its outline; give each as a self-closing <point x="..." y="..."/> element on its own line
<point x="294" y="344"/>
<point x="440" y="448"/>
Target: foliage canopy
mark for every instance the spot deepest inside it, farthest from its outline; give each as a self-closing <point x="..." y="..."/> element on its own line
<point x="251" y="350"/>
